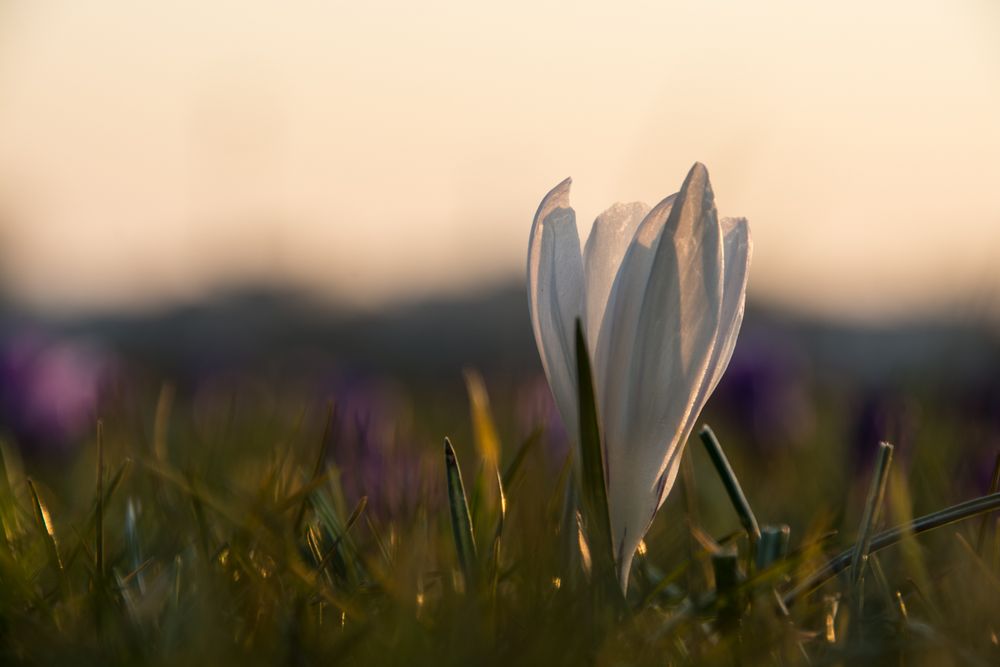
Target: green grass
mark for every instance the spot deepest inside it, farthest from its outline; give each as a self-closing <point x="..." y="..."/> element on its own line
<point x="231" y="531"/>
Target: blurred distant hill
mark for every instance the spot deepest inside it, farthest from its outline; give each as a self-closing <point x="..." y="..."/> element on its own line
<point x="254" y="326"/>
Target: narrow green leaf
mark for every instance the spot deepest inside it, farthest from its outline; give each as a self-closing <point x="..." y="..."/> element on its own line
<point x="376" y="532"/>
<point x="994" y="487"/>
<point x="732" y="484"/>
<point x="133" y="543"/>
<point x="498" y="534"/>
<point x="301" y="496"/>
<point x="873" y="505"/>
<point x="99" y="515"/>
<point x="351" y="520"/>
<point x="773" y="545"/>
<point x="514" y="468"/>
<point x="484" y="427"/>
<point x="44" y="521"/>
<point x="461" y="521"/>
<point x="349" y="565"/>
<point x="593" y="486"/>
<point x="320" y="465"/>
<point x="944" y="517"/>
<point x="726" y="567"/>
<point x="109" y="490"/>
<point x="8" y="502"/>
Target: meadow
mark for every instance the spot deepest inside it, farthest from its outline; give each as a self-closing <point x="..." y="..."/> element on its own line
<point x="266" y="516"/>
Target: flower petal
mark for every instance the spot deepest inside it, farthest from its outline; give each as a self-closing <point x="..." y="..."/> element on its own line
<point x="652" y="378"/>
<point x="556" y="296"/>
<point x="606" y="246"/>
<point x="737" y="250"/>
<point x="621" y="313"/>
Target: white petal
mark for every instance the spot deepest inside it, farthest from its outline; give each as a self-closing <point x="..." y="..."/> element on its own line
<point x="556" y="296"/>
<point x="737" y="250"/>
<point x="606" y="246"/>
<point x="653" y="377"/>
<point x="621" y="314"/>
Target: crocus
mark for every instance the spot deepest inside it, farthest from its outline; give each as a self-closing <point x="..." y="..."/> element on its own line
<point x="660" y="293"/>
<point x="49" y="391"/>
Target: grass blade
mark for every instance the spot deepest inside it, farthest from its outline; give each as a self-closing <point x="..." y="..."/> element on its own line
<point x="732" y="484"/>
<point x="8" y="502"/>
<point x="109" y="490"/>
<point x="510" y="474"/>
<point x="351" y="520"/>
<point x="873" y="505"/>
<point x="99" y="516"/>
<point x="486" y="438"/>
<point x="947" y="516"/>
<point x="498" y="535"/>
<point x="44" y="521"/>
<point x="994" y="487"/>
<point x="348" y="562"/>
<point x="725" y="565"/>
<point x="321" y="457"/>
<point x="773" y="545"/>
<point x="461" y="521"/>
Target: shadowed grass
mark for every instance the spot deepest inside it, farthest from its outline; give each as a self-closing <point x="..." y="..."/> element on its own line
<point x="279" y="555"/>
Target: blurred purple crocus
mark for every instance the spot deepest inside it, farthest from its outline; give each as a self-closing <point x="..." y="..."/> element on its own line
<point x="374" y="448"/>
<point x="49" y="391"/>
<point x="766" y="391"/>
<point x="883" y="414"/>
<point x="535" y="408"/>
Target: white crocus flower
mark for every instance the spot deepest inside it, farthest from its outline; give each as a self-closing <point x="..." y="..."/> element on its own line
<point x="661" y="294"/>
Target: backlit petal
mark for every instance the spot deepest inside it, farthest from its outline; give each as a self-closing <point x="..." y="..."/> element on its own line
<point x="606" y="246"/>
<point x="556" y="296"/>
<point x="657" y="373"/>
<point x="737" y="250"/>
<point x="621" y="314"/>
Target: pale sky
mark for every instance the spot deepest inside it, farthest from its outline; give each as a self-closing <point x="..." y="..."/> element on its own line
<point x="379" y="151"/>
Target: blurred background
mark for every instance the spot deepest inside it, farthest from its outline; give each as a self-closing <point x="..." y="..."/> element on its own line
<point x="247" y="209"/>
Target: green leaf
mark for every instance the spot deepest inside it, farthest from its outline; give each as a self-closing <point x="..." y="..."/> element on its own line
<point x="593" y="486"/>
<point x="732" y="484"/>
<point x="773" y="545"/>
<point x="109" y="490"/>
<point x="8" y="502"/>
<point x="348" y="564"/>
<point x="99" y="514"/>
<point x="949" y="515"/>
<point x="486" y="438"/>
<point x="497" y="535"/>
<point x="461" y="521"/>
<point x="44" y="521"/>
<point x="351" y="520"/>
<point x="873" y="506"/>
<point x="511" y="474"/>
<point x="320" y="465"/>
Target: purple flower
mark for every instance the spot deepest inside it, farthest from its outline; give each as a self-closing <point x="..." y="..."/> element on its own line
<point x="535" y="407"/>
<point x="883" y="415"/>
<point x="49" y="391"/>
<point x="374" y="448"/>
<point x="766" y="390"/>
<point x="979" y="410"/>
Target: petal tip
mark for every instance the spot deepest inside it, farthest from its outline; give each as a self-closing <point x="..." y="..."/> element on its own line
<point x="697" y="176"/>
<point x="732" y="223"/>
<point x="560" y="193"/>
<point x="557" y="197"/>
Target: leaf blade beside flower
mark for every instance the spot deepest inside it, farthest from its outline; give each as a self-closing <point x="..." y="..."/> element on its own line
<point x="593" y="485"/>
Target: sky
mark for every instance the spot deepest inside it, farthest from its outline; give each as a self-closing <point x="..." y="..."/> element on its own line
<point x="372" y="152"/>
